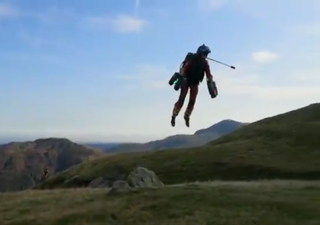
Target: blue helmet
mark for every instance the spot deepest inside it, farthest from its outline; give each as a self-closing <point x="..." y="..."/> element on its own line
<point x="203" y="49"/>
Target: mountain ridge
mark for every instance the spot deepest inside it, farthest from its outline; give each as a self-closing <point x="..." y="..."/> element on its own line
<point x="22" y="163"/>
<point x="199" y="138"/>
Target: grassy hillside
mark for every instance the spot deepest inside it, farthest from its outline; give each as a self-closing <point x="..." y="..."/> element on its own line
<point x="284" y="146"/>
<point x="22" y="163"/>
<point x="199" y="138"/>
<point x="101" y="146"/>
<point x="252" y="204"/>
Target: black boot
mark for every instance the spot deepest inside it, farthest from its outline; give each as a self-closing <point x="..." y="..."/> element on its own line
<point x="187" y="120"/>
<point x="173" y="121"/>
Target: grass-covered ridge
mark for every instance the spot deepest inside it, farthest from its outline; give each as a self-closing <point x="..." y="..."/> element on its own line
<point x="286" y="146"/>
<point x="250" y="204"/>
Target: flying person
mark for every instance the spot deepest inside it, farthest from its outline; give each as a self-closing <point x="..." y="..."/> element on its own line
<point x="192" y="69"/>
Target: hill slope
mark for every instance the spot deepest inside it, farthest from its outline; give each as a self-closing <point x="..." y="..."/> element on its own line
<point x="263" y="203"/>
<point x="284" y="146"/>
<point x="22" y="163"/>
<point x="102" y="146"/>
<point x="199" y="138"/>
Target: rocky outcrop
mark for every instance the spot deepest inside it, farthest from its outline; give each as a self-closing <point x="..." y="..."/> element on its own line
<point x="140" y="177"/>
<point x="120" y="186"/>
<point x="100" y="182"/>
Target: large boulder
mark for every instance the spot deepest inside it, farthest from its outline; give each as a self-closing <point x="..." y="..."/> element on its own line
<point x="100" y="182"/>
<point x="120" y="186"/>
<point x="141" y="177"/>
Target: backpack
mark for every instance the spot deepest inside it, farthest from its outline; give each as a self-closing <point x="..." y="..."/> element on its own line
<point x="188" y="57"/>
<point x="191" y="57"/>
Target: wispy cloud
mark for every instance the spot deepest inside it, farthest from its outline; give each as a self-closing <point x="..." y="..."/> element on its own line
<point x="151" y="76"/>
<point x="273" y="12"/>
<point x="33" y="41"/>
<point x="310" y="75"/>
<point x="136" y="7"/>
<point x="272" y="92"/>
<point x="55" y="14"/>
<point x="127" y="24"/>
<point x="304" y="84"/>
<point x="306" y="29"/>
<point x="7" y="11"/>
<point x="120" y="24"/>
<point x="51" y="14"/>
<point x="264" y="56"/>
<point x="32" y="58"/>
<point x="40" y="41"/>
<point x="211" y="4"/>
<point x="157" y="84"/>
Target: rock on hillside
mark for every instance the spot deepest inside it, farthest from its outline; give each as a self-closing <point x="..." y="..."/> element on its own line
<point x="140" y="177"/>
<point x="22" y="163"/>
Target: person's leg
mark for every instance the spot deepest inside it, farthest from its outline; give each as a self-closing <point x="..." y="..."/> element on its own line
<point x="192" y="101"/>
<point x="178" y="105"/>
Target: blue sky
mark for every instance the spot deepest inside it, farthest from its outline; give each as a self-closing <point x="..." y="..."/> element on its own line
<point x="98" y="70"/>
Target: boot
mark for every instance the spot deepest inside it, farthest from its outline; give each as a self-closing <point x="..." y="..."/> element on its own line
<point x="173" y="121"/>
<point x="187" y="120"/>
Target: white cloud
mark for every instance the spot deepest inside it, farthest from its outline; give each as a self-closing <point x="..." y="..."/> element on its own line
<point x="31" y="58"/>
<point x="121" y="24"/>
<point x="256" y="83"/>
<point x="151" y="76"/>
<point x="6" y="11"/>
<point x="50" y="15"/>
<point x="54" y="15"/>
<point x="151" y="70"/>
<point x="136" y="7"/>
<point x="306" y="29"/>
<point x="211" y="4"/>
<point x="33" y="41"/>
<point x="275" y="92"/>
<point x="42" y="41"/>
<point x="276" y="13"/>
<point x="128" y="24"/>
<point x="264" y="56"/>
<point x="157" y="84"/>
<point x="310" y="75"/>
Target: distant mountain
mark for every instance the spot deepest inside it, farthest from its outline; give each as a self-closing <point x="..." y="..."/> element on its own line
<point x="222" y="128"/>
<point x="22" y="163"/>
<point x="199" y="138"/>
<point x="102" y="146"/>
<point x="6" y="140"/>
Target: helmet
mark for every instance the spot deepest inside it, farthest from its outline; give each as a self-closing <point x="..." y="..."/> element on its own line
<point x="203" y="49"/>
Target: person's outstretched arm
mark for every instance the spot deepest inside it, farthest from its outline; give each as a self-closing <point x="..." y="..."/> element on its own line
<point x="207" y="70"/>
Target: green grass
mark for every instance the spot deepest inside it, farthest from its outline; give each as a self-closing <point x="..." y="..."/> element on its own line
<point x="190" y="204"/>
<point x="285" y="147"/>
